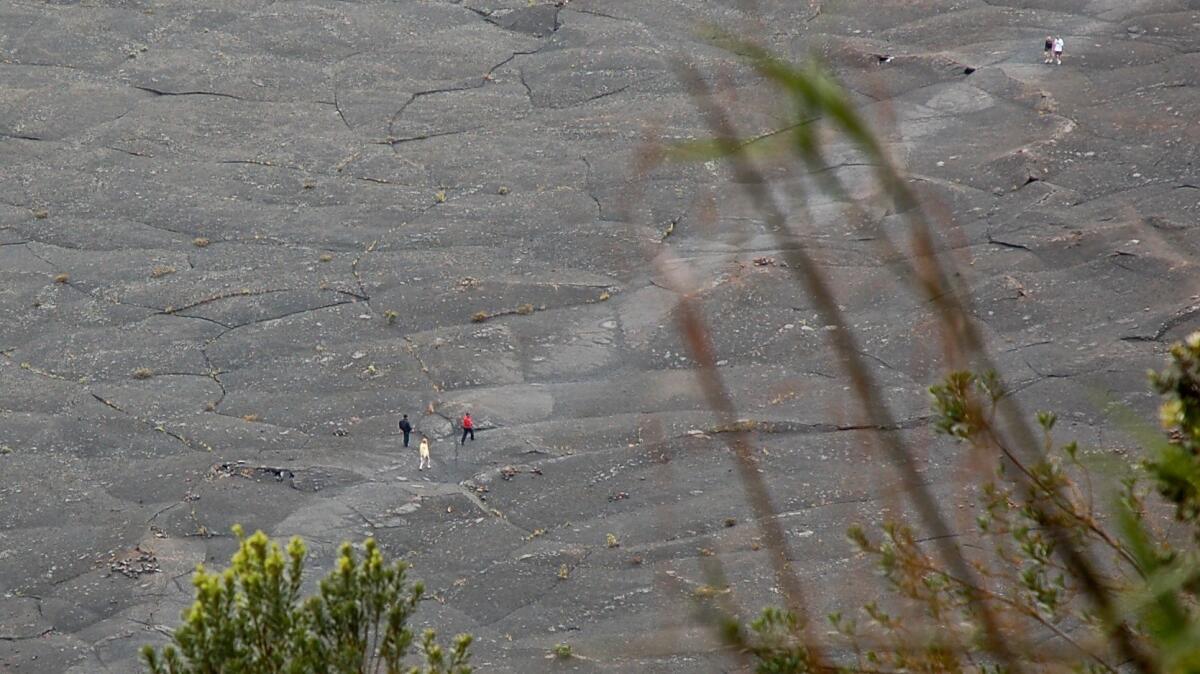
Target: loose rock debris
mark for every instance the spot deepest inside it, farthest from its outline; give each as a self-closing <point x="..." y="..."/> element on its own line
<point x="256" y="473"/>
<point x="135" y="564"/>
<point x="479" y="490"/>
<point x="767" y="260"/>
<point x="507" y="472"/>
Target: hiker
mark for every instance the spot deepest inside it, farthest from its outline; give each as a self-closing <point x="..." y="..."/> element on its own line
<point x="1049" y="55"/>
<point x="468" y="428"/>
<point x="405" y="428"/>
<point x="1058" y="50"/>
<point x="424" y="450"/>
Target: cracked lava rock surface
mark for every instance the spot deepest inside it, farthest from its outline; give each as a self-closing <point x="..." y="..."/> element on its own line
<point x="238" y="238"/>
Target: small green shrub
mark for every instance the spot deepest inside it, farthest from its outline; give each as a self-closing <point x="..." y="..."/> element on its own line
<point x="251" y="619"/>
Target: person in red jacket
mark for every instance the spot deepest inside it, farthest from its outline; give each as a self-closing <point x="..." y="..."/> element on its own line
<point x="468" y="428"/>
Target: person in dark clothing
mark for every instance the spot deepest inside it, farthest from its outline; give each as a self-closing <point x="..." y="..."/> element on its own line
<point x="468" y="428"/>
<point x="405" y="428"/>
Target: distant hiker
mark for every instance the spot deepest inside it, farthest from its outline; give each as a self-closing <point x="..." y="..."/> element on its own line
<point x="1049" y="55"/>
<point x="405" y="428"/>
<point x="468" y="428"/>
<point x="1058" y="50"/>
<point x="424" y="450"/>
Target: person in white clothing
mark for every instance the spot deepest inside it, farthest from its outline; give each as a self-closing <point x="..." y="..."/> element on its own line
<point x="1058" y="50"/>
<point x="424" y="450"/>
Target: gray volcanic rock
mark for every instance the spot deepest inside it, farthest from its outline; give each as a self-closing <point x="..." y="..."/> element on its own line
<point x="239" y="238"/>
